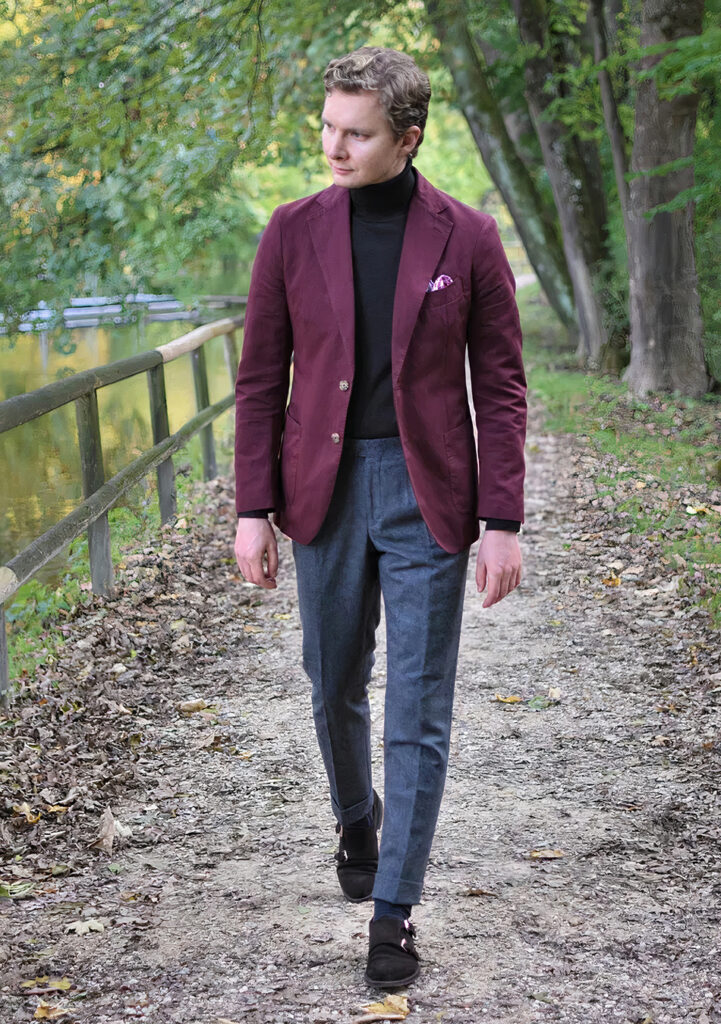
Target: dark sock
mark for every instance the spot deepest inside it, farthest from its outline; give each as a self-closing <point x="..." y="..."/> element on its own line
<point x="381" y="908"/>
<point x="365" y="822"/>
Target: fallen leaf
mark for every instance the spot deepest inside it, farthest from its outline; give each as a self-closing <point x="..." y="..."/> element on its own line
<point x="26" y="811"/>
<point x="45" y="1011"/>
<point x="546" y="854"/>
<point x="554" y="692"/>
<point x="661" y="741"/>
<point x="698" y="510"/>
<point x="56" y="809"/>
<point x="540" y="702"/>
<point x="513" y="699"/>
<point x="84" y="927"/>
<point x="479" y="892"/>
<point x="189" y="706"/>
<point x="16" y="890"/>
<point x="392" y="1008"/>
<point x="46" y="984"/>
<point x="611" y="581"/>
<point x="110" y="827"/>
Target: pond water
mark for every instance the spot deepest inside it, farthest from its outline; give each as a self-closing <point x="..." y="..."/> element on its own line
<point x="39" y="461"/>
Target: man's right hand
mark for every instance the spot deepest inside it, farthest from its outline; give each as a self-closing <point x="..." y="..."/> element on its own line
<point x="256" y="551"/>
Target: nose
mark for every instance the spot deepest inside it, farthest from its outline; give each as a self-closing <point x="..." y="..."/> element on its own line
<point x="336" y="149"/>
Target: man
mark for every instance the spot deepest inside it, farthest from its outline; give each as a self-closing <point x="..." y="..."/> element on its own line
<point x="377" y="287"/>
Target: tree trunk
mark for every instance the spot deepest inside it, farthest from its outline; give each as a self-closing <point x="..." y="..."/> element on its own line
<point x="611" y="117"/>
<point x="536" y="228"/>
<point x="566" y="173"/>
<point x="666" y="327"/>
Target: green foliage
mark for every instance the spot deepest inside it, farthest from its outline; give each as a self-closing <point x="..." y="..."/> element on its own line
<point x="671" y="442"/>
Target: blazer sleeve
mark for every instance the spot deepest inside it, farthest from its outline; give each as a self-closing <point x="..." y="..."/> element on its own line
<point x="261" y="388"/>
<point x="498" y="381"/>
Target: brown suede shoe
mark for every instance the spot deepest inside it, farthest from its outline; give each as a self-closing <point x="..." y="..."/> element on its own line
<point x="357" y="857"/>
<point x="392" y="958"/>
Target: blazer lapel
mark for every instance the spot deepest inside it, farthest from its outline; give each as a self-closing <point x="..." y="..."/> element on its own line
<point x="330" y="231"/>
<point x="425" y="239"/>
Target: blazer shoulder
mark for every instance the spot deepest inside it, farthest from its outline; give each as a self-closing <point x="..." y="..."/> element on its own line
<point x="308" y="206"/>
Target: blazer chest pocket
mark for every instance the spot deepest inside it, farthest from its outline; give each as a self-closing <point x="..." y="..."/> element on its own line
<point x="443" y="297"/>
<point x="289" y="457"/>
<point x="462" y="470"/>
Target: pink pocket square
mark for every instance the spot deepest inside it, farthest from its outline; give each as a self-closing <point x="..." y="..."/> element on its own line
<point x="440" y="282"/>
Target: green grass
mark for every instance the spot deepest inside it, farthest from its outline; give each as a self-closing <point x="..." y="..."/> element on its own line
<point x="662" y="445"/>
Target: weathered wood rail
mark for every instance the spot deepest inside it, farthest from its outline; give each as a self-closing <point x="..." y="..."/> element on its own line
<point x="101" y="494"/>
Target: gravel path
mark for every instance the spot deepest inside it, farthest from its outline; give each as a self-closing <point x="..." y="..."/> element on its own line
<point x="575" y="871"/>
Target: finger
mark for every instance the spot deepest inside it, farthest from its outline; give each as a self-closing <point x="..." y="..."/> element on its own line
<point x="481" y="577"/>
<point x="252" y="569"/>
<point x="272" y="559"/>
<point x="492" y="595"/>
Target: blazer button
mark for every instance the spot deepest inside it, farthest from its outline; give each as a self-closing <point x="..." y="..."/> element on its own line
<point x="335" y="438"/>
<point x="344" y="385"/>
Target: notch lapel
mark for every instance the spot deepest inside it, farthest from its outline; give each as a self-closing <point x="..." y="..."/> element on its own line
<point x="330" y="232"/>
<point x="424" y="240"/>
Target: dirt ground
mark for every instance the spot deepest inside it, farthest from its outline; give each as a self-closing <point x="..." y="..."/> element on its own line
<point x="575" y="874"/>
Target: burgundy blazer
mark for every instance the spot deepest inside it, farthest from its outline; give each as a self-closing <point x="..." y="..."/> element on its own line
<point x="301" y="305"/>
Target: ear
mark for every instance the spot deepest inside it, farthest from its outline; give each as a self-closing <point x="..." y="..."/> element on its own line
<point x="410" y="139"/>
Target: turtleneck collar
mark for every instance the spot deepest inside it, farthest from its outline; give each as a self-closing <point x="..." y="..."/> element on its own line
<point x="387" y="197"/>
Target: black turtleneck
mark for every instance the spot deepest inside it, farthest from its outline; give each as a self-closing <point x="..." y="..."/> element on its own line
<point x="378" y="221"/>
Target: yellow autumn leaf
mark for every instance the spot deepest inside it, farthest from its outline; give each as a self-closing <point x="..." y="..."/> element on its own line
<point x="698" y="510"/>
<point x="281" y="615"/>
<point x="56" y="984"/>
<point x="45" y="1011"/>
<point x="26" y="811"/>
<point x="513" y="699"/>
<point x="612" y="581"/>
<point x="56" y="809"/>
<point x="392" y="1008"/>
<point x="547" y="854"/>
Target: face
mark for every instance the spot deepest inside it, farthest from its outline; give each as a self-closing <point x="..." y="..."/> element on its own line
<point x="358" y="142"/>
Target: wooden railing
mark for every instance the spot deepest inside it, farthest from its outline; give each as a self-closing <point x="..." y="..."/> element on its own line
<point x="101" y="494"/>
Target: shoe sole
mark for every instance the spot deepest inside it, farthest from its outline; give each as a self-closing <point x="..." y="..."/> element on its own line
<point x="400" y="983"/>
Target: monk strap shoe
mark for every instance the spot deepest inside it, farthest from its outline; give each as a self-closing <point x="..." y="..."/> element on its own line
<point x="392" y="958"/>
<point x="357" y="856"/>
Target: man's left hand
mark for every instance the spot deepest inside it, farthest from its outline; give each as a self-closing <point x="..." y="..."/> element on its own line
<point x="499" y="565"/>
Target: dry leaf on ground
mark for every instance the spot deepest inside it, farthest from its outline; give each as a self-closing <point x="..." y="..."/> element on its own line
<point x="84" y="927"/>
<point x="45" y="1011"/>
<point x="392" y="1008"/>
<point x="189" y="706"/>
<point x="110" y="827"/>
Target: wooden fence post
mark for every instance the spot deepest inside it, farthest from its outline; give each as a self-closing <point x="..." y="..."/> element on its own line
<point x="91" y="464"/>
<point x="231" y="356"/>
<point x="202" y="399"/>
<point x="4" y="663"/>
<point x="161" y="430"/>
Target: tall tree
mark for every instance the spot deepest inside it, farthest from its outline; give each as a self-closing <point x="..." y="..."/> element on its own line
<point x="568" y="173"/>
<point x="667" y="351"/>
<point x="536" y="227"/>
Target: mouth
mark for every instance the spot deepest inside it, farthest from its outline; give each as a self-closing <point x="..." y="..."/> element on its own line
<point x="340" y="170"/>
